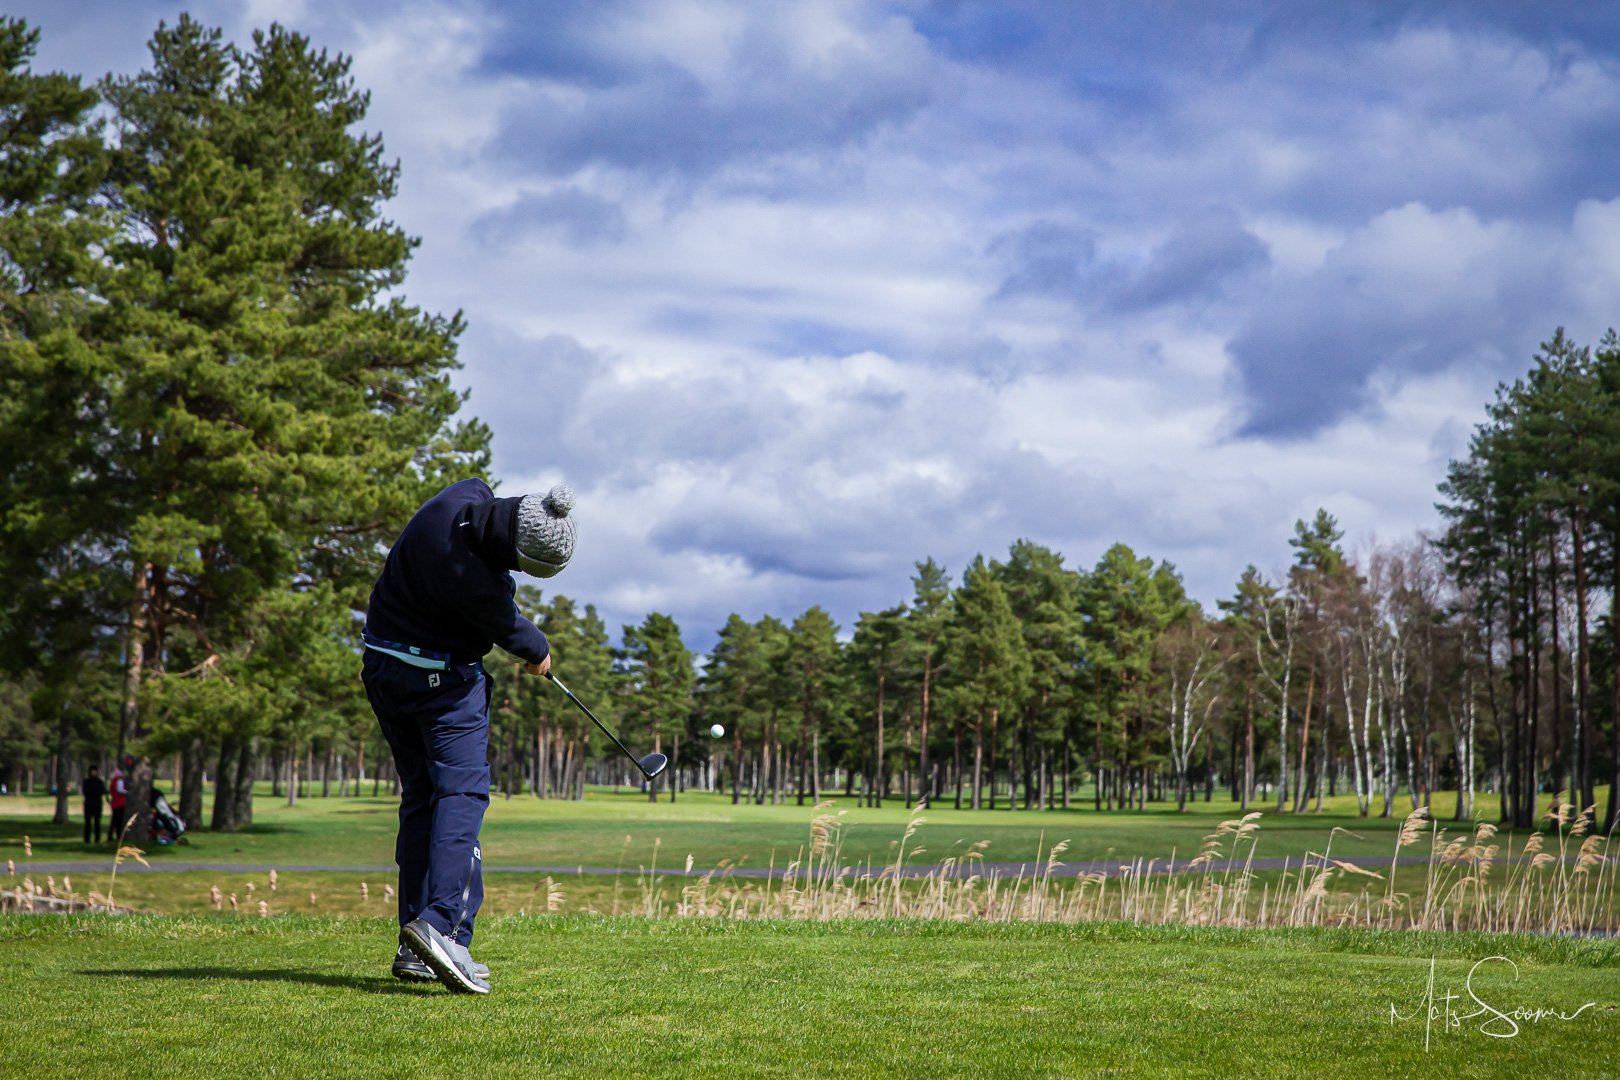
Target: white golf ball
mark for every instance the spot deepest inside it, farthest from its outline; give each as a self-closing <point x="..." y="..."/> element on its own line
<point x="717" y="731"/>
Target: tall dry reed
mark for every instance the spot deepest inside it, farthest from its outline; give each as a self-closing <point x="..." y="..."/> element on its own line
<point x="1466" y="883"/>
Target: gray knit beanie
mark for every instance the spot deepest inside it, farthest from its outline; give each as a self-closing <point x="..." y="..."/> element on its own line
<point x="545" y="534"/>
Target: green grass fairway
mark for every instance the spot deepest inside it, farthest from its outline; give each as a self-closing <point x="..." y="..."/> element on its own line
<point x="295" y="996"/>
<point x="528" y="831"/>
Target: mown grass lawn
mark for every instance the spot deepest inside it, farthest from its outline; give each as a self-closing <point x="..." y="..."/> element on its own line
<point x="576" y="996"/>
<point x="608" y="829"/>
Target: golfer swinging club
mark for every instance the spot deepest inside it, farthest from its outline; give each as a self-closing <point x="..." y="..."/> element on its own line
<point x="443" y="600"/>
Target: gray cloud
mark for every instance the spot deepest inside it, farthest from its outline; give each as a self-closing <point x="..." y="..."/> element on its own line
<point x="1414" y="292"/>
<point x="1195" y="262"/>
<point x="529" y="392"/>
<point x="652" y="108"/>
<point x="1046" y="258"/>
<point x="568" y="212"/>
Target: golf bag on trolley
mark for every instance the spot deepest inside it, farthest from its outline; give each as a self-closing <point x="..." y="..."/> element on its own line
<point x="167" y="826"/>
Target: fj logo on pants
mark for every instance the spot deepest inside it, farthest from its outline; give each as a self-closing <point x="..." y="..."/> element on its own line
<point x="433" y="679"/>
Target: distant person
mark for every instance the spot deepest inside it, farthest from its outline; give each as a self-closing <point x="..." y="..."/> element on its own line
<point x="95" y="790"/>
<point x="119" y="800"/>
<point x="443" y="600"/>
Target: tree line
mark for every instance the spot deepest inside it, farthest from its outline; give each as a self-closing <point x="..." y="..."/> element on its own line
<point x="216" y="409"/>
<point x="1481" y="655"/>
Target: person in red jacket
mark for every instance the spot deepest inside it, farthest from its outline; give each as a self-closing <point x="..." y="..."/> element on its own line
<point x="118" y="799"/>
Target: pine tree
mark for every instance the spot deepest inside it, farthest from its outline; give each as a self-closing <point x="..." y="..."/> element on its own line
<point x="1126" y="602"/>
<point x="1602" y="472"/>
<point x="930" y="608"/>
<point x="779" y="720"/>
<point x="730" y="691"/>
<point x="814" y="684"/>
<point x="268" y="412"/>
<point x="990" y="671"/>
<point x="54" y="527"/>
<point x="878" y="656"/>
<point x="1318" y="562"/>
<point x="1246" y="613"/>
<point x="1045" y="599"/>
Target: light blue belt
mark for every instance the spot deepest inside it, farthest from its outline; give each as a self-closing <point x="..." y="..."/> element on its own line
<point x="410" y="654"/>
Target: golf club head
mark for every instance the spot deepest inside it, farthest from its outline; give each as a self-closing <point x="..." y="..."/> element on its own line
<point x="652" y="764"/>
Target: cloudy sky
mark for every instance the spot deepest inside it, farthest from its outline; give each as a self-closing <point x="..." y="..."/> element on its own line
<point x="795" y="294"/>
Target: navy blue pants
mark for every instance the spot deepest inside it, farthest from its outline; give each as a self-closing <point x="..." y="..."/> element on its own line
<point x="437" y="724"/>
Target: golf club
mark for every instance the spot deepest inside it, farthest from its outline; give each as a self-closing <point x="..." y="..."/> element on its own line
<point x="650" y="766"/>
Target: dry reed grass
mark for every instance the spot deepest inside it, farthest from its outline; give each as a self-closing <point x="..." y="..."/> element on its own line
<point x="1469" y="883"/>
<point x="30" y="898"/>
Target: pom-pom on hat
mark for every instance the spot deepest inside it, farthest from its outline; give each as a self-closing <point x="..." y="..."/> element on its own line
<point x="545" y="533"/>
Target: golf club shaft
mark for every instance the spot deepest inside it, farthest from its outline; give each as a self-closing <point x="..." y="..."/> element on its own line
<point x="592" y="715"/>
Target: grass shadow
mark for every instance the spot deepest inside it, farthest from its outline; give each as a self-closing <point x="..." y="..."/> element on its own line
<point x="371" y="984"/>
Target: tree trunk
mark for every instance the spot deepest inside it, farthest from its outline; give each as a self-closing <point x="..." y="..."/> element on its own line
<point x="877" y="750"/>
<point x="542" y="762"/>
<point x="815" y="766"/>
<point x="801" y="756"/>
<point x="990" y="768"/>
<point x="956" y="730"/>
<point x="191" y="783"/>
<point x="579" y="769"/>
<point x="1612" y="818"/>
<point x="224" y="819"/>
<point x="762" y="774"/>
<point x="1301" y="797"/>
<point x="1209" y="769"/>
<point x="64" y="732"/>
<point x="905" y="763"/>
<point x="1067" y="750"/>
<point x="246" y="765"/>
<point x="1581" y="734"/>
<point x="1322" y="764"/>
<point x="978" y="761"/>
<point x="922" y="763"/>
<point x="1556" y="757"/>
<point x="138" y="828"/>
<point x="1532" y="712"/>
<point x="1097" y="766"/>
<point x="139" y="794"/>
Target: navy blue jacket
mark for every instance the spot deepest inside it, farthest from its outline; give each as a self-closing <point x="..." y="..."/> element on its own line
<point x="446" y="585"/>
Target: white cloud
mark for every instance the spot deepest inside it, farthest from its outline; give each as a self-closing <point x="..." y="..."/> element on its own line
<point x="734" y="272"/>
